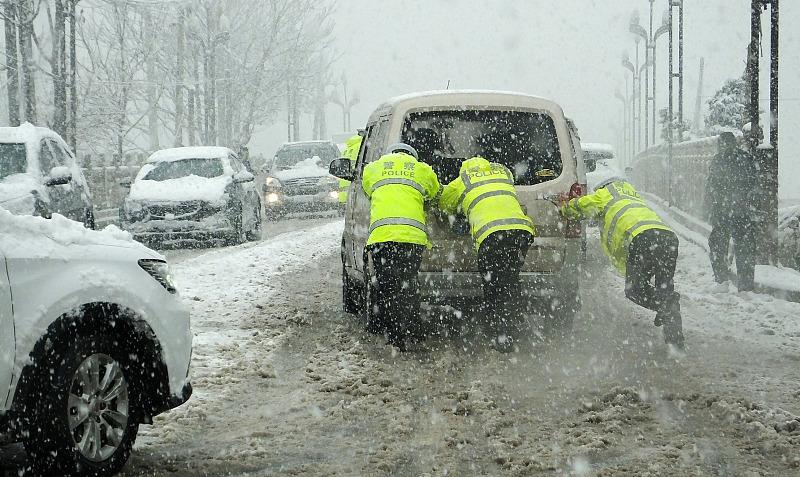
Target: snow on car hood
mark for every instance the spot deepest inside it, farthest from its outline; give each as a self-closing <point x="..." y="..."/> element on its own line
<point x="306" y="168"/>
<point x="16" y="193"/>
<point x="37" y="237"/>
<point x="179" y="190"/>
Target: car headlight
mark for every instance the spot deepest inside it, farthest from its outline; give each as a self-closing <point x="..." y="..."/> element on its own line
<point x="273" y="197"/>
<point x="159" y="270"/>
<point x="273" y="182"/>
<point x="333" y="194"/>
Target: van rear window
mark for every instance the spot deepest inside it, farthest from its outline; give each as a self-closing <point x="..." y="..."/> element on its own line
<point x="525" y="142"/>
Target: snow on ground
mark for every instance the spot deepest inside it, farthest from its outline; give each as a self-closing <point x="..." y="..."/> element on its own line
<point x="286" y="384"/>
<point x="226" y="290"/>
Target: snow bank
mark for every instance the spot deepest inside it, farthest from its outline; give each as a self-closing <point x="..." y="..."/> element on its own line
<point x="197" y="152"/>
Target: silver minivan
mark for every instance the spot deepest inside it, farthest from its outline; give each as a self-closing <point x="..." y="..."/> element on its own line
<point x="531" y="136"/>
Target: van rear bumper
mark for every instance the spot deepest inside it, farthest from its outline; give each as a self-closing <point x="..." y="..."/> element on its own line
<point x="439" y="286"/>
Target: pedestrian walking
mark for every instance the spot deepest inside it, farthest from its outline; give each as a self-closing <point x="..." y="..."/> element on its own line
<point x="640" y="246"/>
<point x="484" y="192"/>
<point x="731" y="192"/>
<point x="398" y="186"/>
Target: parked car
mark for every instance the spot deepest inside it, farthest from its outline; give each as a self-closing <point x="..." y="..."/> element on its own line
<point x="190" y="195"/>
<point x="39" y="175"/>
<point x="297" y="179"/>
<point x="527" y="134"/>
<point x="94" y="341"/>
<point x="599" y="159"/>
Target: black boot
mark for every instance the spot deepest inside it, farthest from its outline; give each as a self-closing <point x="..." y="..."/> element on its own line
<point x="673" y="324"/>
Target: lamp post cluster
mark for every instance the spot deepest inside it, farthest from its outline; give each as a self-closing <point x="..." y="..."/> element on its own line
<point x="642" y="136"/>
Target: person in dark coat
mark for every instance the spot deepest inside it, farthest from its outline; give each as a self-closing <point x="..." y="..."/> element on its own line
<point x="732" y="189"/>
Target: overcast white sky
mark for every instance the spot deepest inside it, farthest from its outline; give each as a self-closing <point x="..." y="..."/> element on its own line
<point x="567" y="50"/>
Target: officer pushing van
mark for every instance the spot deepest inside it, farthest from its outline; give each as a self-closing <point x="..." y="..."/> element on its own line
<point x="640" y="245"/>
<point x="398" y="186"/>
<point x="484" y="192"/>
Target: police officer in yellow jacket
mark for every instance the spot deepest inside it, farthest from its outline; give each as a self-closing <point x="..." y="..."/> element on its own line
<point x="484" y="192"/>
<point x="640" y="245"/>
<point x="398" y="185"/>
<point x="351" y="148"/>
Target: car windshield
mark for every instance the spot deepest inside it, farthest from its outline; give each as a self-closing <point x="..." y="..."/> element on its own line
<point x="12" y="159"/>
<point x="525" y="142"/>
<point x="185" y="167"/>
<point x="287" y="157"/>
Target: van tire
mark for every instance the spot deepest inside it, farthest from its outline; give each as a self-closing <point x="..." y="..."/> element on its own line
<point x="49" y="441"/>
<point x="560" y="317"/>
<point x="352" y="299"/>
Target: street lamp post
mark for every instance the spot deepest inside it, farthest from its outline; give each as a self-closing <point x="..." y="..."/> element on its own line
<point x="623" y="146"/>
<point x="626" y="63"/>
<point x="664" y="28"/>
<point x="641" y="34"/>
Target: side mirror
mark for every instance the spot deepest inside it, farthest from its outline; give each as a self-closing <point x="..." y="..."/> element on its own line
<point x="58" y="176"/>
<point x="126" y="183"/>
<point x="243" y="176"/>
<point x="341" y="168"/>
<point x="591" y="165"/>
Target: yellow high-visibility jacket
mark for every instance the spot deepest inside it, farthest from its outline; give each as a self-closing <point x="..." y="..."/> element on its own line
<point x="398" y="187"/>
<point x="624" y="215"/>
<point x="484" y="192"/>
<point x="351" y="148"/>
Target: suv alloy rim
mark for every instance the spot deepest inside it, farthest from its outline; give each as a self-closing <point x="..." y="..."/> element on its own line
<point x="97" y="407"/>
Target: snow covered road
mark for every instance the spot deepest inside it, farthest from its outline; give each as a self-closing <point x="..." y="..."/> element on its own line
<point x="286" y="384"/>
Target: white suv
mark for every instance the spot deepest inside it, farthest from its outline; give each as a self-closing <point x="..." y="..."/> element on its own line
<point x="93" y="341"/>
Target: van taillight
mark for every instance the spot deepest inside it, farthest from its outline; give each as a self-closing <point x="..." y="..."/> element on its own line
<point x="573" y="228"/>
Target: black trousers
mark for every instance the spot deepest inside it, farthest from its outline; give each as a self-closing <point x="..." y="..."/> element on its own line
<point x="500" y="259"/>
<point x="649" y="279"/>
<point x="744" y="233"/>
<point x="395" y="291"/>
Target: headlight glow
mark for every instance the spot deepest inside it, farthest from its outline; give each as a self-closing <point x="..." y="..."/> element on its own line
<point x="333" y="194"/>
<point x="272" y="182"/>
<point x="273" y="197"/>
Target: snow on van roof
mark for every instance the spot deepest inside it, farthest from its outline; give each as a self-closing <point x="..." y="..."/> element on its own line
<point x="456" y="92"/>
<point x="27" y="133"/>
<point x="597" y="146"/>
<point x="195" y="152"/>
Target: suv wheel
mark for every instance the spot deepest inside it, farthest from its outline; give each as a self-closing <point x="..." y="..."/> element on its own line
<point x="239" y="235"/>
<point x="88" y="219"/>
<point x="82" y="423"/>
<point x="255" y="233"/>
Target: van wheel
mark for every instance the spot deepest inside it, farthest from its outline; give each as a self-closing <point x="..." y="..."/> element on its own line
<point x="81" y="422"/>
<point x="560" y="317"/>
<point x="351" y="295"/>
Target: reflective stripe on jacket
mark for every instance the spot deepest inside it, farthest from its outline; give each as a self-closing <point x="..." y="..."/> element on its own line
<point x="624" y="214"/>
<point x="398" y="186"/>
<point x="484" y="192"/>
<point x="351" y="148"/>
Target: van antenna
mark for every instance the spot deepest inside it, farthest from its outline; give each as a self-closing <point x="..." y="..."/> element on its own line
<point x="448" y="85"/>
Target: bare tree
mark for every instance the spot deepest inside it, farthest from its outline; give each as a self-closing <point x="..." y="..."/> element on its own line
<point x="12" y="63"/>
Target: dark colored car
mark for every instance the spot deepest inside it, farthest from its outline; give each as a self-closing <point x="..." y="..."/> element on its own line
<point x="298" y="180"/>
